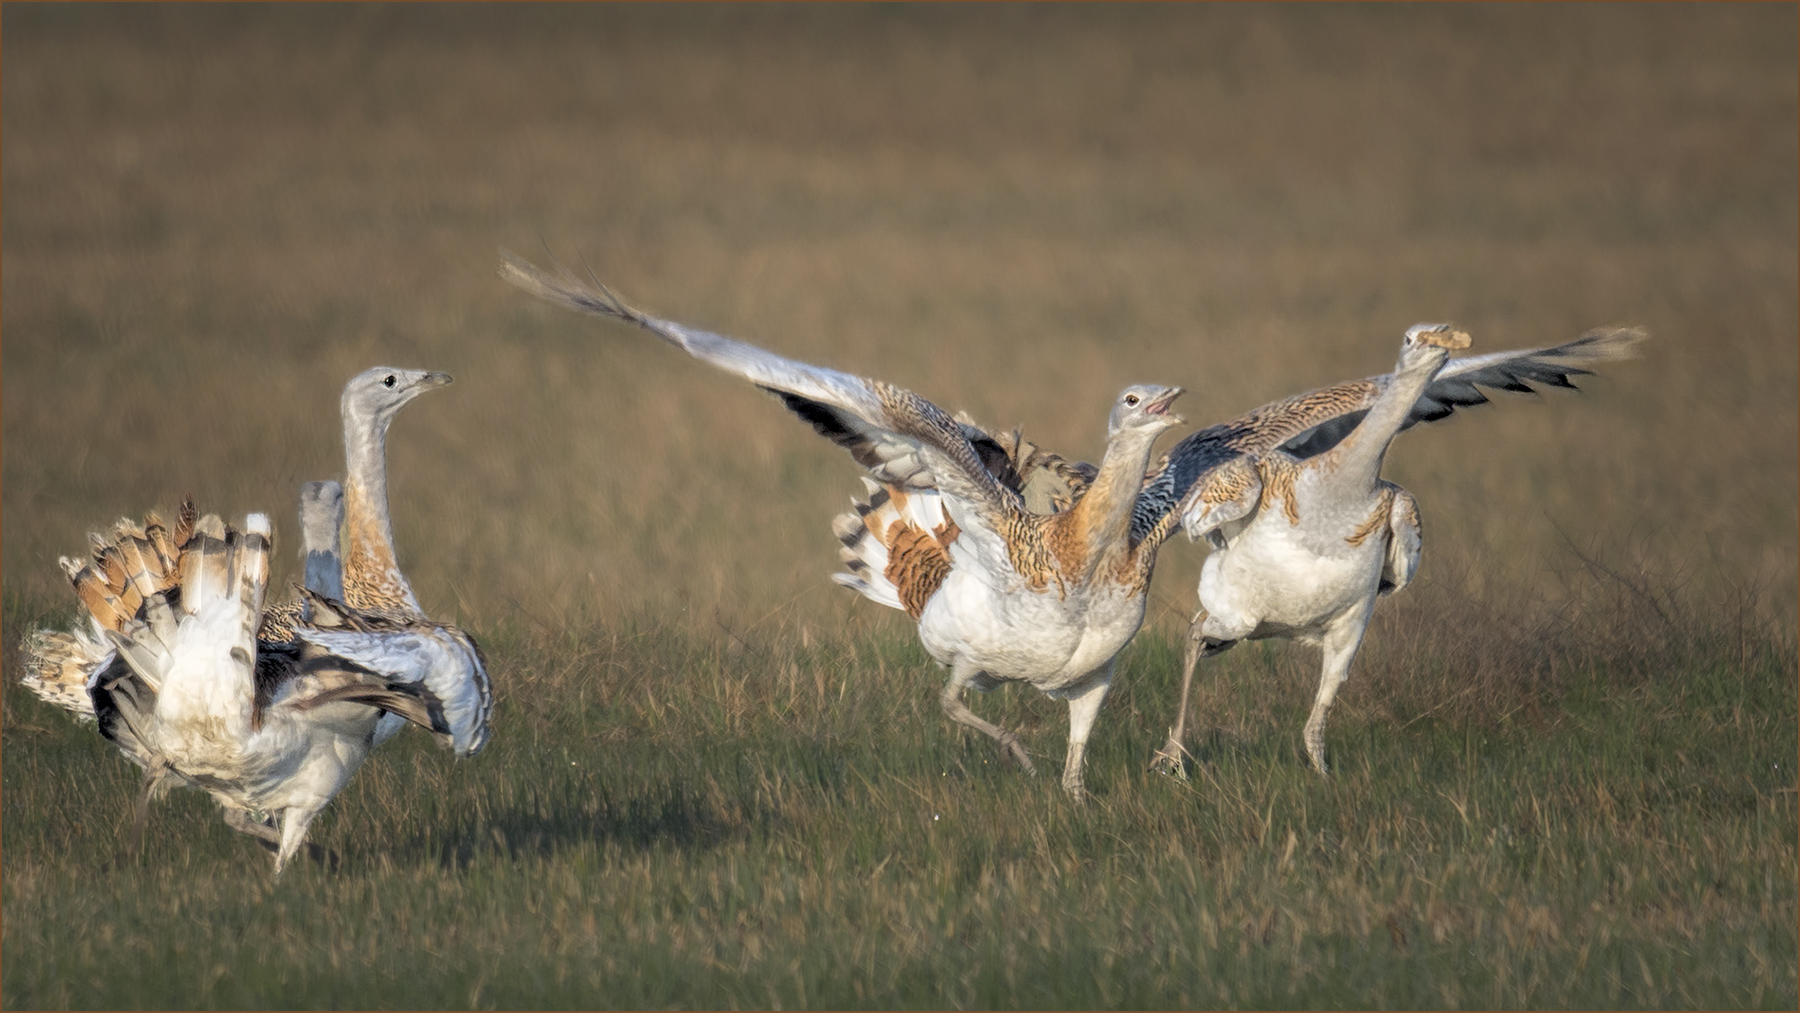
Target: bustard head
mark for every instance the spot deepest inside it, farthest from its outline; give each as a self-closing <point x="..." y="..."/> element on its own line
<point x="1143" y="408"/>
<point x="372" y="397"/>
<point x="1428" y="345"/>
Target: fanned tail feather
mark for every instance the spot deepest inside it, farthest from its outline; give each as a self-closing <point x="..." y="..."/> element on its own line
<point x="59" y="667"/>
<point x="896" y="546"/>
<point x="128" y="576"/>
<point x="216" y="563"/>
<point x="205" y="565"/>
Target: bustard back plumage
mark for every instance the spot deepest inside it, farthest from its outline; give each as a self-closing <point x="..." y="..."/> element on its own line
<point x="176" y="677"/>
<point x="1001" y="594"/>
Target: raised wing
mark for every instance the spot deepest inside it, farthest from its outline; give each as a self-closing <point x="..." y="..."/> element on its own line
<point x="1309" y="424"/>
<point x="1459" y="383"/>
<point x="903" y="439"/>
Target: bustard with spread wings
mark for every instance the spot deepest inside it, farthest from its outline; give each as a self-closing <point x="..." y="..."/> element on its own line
<point x="1310" y="535"/>
<point x="1000" y="594"/>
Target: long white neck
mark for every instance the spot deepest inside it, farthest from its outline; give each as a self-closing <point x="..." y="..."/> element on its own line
<point x="1363" y="450"/>
<point x="372" y="577"/>
<point x="1101" y="521"/>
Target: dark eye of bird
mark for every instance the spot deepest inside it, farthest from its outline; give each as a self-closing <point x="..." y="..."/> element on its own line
<point x="389" y="382"/>
<point x="1131" y="399"/>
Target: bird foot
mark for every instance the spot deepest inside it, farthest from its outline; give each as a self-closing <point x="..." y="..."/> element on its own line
<point x="1171" y="760"/>
<point x="1015" y="749"/>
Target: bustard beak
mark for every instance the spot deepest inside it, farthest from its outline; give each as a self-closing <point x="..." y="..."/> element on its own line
<point x="1160" y="405"/>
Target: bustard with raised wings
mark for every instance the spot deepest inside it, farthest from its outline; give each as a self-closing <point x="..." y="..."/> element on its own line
<point x="1305" y="533"/>
<point x="1001" y="594"/>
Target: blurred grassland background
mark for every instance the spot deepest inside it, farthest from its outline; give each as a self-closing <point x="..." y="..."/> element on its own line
<point x="213" y="216"/>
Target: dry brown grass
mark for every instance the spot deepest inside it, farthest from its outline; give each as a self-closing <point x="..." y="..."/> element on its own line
<point x="214" y="218"/>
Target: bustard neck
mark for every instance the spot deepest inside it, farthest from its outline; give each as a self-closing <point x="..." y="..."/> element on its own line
<point x="372" y="577"/>
<point x="1100" y="523"/>
<point x="1367" y="444"/>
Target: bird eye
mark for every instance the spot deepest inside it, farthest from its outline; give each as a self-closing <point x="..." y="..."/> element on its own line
<point x="388" y="381"/>
<point x="1131" y="400"/>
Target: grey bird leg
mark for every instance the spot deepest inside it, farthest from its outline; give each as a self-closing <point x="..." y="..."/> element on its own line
<point x="265" y="834"/>
<point x="1171" y="758"/>
<point x="959" y="712"/>
<point x="269" y="837"/>
<point x="140" y="817"/>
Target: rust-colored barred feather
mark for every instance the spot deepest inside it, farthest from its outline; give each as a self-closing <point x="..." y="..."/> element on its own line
<point x="135" y="563"/>
<point x="918" y="562"/>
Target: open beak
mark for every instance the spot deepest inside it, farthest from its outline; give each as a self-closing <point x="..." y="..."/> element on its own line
<point x="1160" y="405"/>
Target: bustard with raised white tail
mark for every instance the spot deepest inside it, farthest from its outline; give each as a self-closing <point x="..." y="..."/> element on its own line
<point x="389" y="639"/>
<point x="1001" y="594"/>
<point x="184" y="689"/>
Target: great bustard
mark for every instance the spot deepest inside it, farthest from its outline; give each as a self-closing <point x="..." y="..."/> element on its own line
<point x="440" y="655"/>
<point x="1305" y="533"/>
<point x="1000" y="594"/>
<point x="365" y="566"/>
<point x="177" y="679"/>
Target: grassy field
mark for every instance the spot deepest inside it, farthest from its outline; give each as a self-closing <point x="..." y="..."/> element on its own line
<point x="1565" y="759"/>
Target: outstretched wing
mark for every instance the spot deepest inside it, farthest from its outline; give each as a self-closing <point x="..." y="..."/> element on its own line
<point x="1459" y="383"/>
<point x="1309" y="424"/>
<point x="901" y="438"/>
